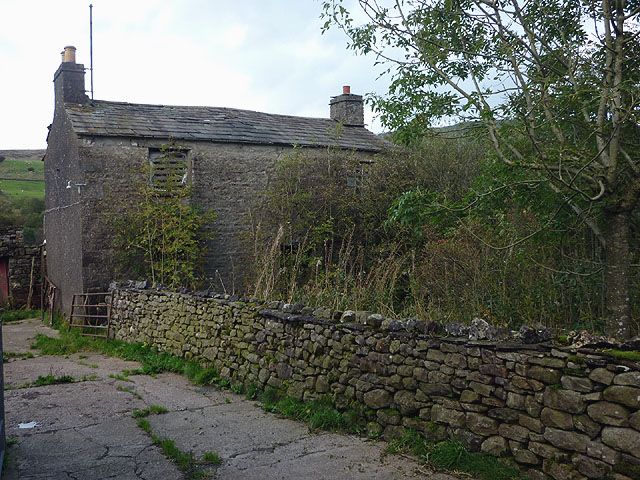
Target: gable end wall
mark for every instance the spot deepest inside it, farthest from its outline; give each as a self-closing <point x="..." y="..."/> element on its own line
<point x="63" y="211"/>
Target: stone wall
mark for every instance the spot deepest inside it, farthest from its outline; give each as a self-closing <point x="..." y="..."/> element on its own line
<point x="20" y="257"/>
<point x="569" y="414"/>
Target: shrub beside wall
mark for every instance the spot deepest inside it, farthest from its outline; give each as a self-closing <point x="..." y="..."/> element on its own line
<point x="571" y="415"/>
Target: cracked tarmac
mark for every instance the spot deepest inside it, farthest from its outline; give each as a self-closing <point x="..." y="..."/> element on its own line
<point x="86" y="431"/>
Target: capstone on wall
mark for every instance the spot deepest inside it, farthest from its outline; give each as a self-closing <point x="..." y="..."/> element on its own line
<point x="561" y="414"/>
<point x="23" y="260"/>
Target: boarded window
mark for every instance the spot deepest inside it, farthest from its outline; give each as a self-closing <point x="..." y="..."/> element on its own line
<point x="358" y="176"/>
<point x="169" y="168"/>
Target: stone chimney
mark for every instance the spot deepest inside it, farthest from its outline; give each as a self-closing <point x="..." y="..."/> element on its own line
<point x="68" y="80"/>
<point x="347" y="108"/>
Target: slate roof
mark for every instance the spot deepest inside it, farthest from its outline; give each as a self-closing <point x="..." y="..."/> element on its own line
<point x="214" y="124"/>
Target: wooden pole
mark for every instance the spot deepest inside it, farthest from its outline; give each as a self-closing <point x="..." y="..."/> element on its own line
<point x="43" y="281"/>
<point x="30" y="296"/>
<point x="52" y="300"/>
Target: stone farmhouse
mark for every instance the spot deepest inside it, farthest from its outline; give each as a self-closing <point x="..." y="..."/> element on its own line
<point x="227" y="155"/>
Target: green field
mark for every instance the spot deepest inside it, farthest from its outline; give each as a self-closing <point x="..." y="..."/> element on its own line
<point x="22" y="178"/>
<point x="22" y="188"/>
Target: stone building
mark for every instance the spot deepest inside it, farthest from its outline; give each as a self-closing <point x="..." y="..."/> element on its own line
<point x="19" y="269"/>
<point x="227" y="155"/>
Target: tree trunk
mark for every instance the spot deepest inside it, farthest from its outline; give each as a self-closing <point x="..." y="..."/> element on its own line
<point x="617" y="273"/>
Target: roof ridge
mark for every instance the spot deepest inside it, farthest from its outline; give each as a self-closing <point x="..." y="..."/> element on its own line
<point x="162" y="105"/>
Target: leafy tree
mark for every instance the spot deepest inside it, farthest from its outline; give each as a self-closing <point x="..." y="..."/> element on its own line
<point x="556" y="85"/>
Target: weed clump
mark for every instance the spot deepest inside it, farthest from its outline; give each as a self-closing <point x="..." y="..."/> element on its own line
<point x="44" y="380"/>
<point x="212" y="458"/>
<point x="150" y="410"/>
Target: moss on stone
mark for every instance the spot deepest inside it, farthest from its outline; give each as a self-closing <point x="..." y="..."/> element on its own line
<point x="632" y="355"/>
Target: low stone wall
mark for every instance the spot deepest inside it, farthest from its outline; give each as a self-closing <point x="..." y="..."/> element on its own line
<point x="20" y="255"/>
<point x="571" y="415"/>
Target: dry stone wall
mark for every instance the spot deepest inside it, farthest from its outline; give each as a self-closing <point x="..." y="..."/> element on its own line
<point x="20" y="257"/>
<point x="562" y="414"/>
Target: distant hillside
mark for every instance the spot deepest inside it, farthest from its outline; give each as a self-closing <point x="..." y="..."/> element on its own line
<point x="22" y="154"/>
<point x="22" y="174"/>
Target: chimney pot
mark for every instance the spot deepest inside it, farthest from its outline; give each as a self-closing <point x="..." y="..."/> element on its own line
<point x="69" y="54"/>
<point x="346" y="90"/>
<point x="69" y="79"/>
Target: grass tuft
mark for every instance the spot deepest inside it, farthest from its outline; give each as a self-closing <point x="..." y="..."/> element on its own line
<point x="251" y="392"/>
<point x="43" y="380"/>
<point x="212" y="458"/>
<point x="130" y="390"/>
<point x="150" y="410"/>
<point x="120" y="376"/>
<point x="144" y="424"/>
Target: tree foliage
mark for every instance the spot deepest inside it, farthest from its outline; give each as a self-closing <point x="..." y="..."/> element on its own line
<point x="24" y="213"/>
<point x="555" y="84"/>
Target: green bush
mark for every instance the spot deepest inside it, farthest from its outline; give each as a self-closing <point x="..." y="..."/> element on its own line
<point x="440" y="232"/>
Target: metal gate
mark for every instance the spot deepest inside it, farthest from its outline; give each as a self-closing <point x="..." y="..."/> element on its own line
<point x="91" y="313"/>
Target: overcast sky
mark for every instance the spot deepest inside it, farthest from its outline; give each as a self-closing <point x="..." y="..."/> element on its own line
<point x="266" y="55"/>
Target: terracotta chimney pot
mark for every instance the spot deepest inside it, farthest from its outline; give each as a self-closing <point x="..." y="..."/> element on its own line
<point x="69" y="54"/>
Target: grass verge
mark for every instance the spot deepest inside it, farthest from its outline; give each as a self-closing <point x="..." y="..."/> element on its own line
<point x="153" y="362"/>
<point x="319" y="414"/>
<point x="15" y="315"/>
<point x="453" y="456"/>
